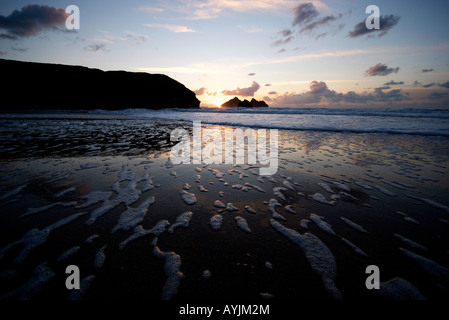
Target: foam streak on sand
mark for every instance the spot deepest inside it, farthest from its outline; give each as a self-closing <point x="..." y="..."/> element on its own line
<point x="31" y="211"/>
<point x="40" y="276"/>
<point x="326" y="187"/>
<point x="133" y="216"/>
<point x="127" y="195"/>
<point x="431" y="203"/>
<point x="289" y="208"/>
<point x="189" y="198"/>
<point x="13" y="192"/>
<point x="100" y="257"/>
<point x="363" y="185"/>
<point x="254" y="187"/>
<point x="400" y="289"/>
<point x="64" y="192"/>
<point x="272" y="205"/>
<point x="317" y="253"/>
<point x="35" y="237"/>
<point x="242" y="224"/>
<point x="354" y="225"/>
<point x="219" y="204"/>
<point x="427" y="264"/>
<point x="94" y="198"/>
<point x="323" y="225"/>
<point x="410" y="243"/>
<point x="216" y="222"/>
<point x="172" y="267"/>
<point x="356" y="249"/>
<point x="139" y="232"/>
<point x="181" y="221"/>
<point x="230" y="207"/>
<point x="68" y="253"/>
<point x="84" y="286"/>
<point x="250" y="210"/>
<point x="277" y="192"/>
<point x="385" y="191"/>
<point x="322" y="199"/>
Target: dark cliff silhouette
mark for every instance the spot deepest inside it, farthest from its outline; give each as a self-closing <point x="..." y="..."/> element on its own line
<point x="236" y="102"/>
<point x="43" y="86"/>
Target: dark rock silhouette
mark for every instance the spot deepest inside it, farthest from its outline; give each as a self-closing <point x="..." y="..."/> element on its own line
<point x="245" y="104"/>
<point x="258" y="104"/>
<point x="42" y="86"/>
<point x="236" y="102"/>
<point x="232" y="103"/>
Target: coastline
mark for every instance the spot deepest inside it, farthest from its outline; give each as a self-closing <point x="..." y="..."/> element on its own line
<point x="395" y="184"/>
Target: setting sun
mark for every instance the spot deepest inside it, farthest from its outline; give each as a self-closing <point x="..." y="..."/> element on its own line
<point x="213" y="100"/>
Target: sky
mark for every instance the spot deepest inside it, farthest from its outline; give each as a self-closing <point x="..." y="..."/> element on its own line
<point x="288" y="53"/>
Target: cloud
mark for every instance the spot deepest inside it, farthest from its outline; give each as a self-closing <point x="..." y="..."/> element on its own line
<point x="95" y="47"/>
<point x="171" y="27"/>
<point x="444" y="85"/>
<point x="319" y="93"/>
<point x="250" y="29"/>
<point x="286" y="32"/>
<point x="433" y="84"/>
<point x="150" y="9"/>
<point x="393" y="83"/>
<point x="20" y="49"/>
<point x="380" y="70"/>
<point x="136" y="36"/>
<point x="323" y="21"/>
<point x="306" y="20"/>
<point x="243" y="92"/>
<point x="281" y="42"/>
<point x="318" y="87"/>
<point x="251" y="74"/>
<point x="305" y="13"/>
<point x="437" y="95"/>
<point x="210" y="9"/>
<point x="31" y="20"/>
<point x="8" y="36"/>
<point x="427" y="70"/>
<point x="272" y="92"/>
<point x="200" y="91"/>
<point x="386" y="23"/>
<point x="267" y="98"/>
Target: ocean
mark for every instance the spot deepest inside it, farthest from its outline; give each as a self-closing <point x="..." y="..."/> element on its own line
<point x="407" y="121"/>
<point x="354" y="190"/>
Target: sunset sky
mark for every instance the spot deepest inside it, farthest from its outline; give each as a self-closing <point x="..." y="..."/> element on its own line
<point x="289" y="53"/>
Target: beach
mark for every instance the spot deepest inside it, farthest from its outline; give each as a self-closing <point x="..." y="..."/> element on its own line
<point x="100" y="192"/>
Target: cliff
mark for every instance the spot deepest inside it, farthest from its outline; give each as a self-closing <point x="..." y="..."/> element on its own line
<point x="42" y="86"/>
<point x="236" y="102"/>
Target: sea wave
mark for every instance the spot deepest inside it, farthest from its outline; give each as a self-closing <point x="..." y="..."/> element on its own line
<point x="426" y="122"/>
<point x="384" y="112"/>
<point x="394" y="121"/>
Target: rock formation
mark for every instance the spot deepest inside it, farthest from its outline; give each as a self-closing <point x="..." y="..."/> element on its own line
<point x="232" y="103"/>
<point x="42" y="86"/>
<point x="258" y="104"/>
<point x="236" y="102"/>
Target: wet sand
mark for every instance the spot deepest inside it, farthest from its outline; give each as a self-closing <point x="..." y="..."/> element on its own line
<point x="102" y="194"/>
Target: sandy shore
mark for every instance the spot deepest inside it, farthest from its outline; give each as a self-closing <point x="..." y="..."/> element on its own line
<point x="102" y="195"/>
